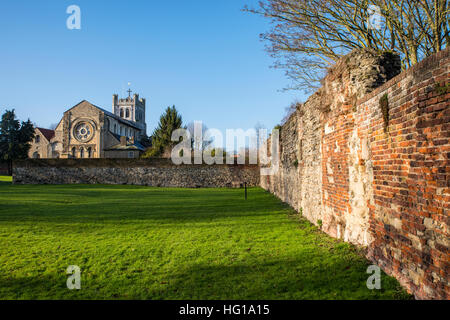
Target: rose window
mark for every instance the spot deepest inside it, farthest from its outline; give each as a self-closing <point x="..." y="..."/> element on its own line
<point x="83" y="132"/>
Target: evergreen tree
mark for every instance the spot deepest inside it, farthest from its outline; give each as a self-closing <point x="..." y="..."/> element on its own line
<point x="161" y="137"/>
<point x="15" y="138"/>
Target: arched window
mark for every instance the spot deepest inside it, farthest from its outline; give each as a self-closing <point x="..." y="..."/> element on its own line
<point x="36" y="155"/>
<point x="74" y="152"/>
<point x="127" y="113"/>
<point x="121" y="113"/>
<point x="81" y="153"/>
<point x="89" y="152"/>
<point x="37" y="139"/>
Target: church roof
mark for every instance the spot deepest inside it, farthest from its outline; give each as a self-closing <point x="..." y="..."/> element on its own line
<point x="129" y="146"/>
<point x="110" y="114"/>
<point x="47" y="133"/>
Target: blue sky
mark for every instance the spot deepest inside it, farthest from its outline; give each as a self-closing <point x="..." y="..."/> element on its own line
<point x="204" y="56"/>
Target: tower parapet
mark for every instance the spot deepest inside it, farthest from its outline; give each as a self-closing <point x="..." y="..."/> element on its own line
<point x="131" y="108"/>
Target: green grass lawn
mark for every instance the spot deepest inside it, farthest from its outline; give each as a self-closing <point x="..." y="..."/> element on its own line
<point x="5" y="179"/>
<point x="156" y="243"/>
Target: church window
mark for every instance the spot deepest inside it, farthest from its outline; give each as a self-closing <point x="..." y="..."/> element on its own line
<point x="83" y="131"/>
<point x="127" y="113"/>
<point x="89" y="152"/>
<point x="81" y="153"/>
<point x="74" y="155"/>
<point x="121" y="112"/>
<point x="38" y="139"/>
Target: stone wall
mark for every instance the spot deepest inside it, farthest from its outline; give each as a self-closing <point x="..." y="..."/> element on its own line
<point x="4" y="168"/>
<point x="151" y="172"/>
<point x="372" y="175"/>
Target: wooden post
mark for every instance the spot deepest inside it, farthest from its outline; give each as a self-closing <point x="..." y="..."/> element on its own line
<point x="245" y="186"/>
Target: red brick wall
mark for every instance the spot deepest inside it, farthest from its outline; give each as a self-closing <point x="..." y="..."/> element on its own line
<point x="335" y="170"/>
<point x="382" y="185"/>
<point x="411" y="163"/>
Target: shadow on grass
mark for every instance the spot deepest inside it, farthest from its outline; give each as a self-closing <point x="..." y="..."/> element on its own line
<point x="286" y="279"/>
<point x="5" y="180"/>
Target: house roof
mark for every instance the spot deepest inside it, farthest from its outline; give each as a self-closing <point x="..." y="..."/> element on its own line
<point x="47" y="133"/>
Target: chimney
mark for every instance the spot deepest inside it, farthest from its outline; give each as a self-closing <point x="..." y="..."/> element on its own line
<point x="123" y="141"/>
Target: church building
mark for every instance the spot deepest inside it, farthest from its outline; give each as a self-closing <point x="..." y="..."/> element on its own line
<point x="88" y="131"/>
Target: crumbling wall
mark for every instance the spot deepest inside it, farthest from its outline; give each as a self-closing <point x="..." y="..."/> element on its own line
<point x="285" y="184"/>
<point x="147" y="172"/>
<point x="373" y="158"/>
<point x="410" y="154"/>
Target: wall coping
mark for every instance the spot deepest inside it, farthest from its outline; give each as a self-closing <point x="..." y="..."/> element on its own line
<point x="424" y="64"/>
<point x="115" y="163"/>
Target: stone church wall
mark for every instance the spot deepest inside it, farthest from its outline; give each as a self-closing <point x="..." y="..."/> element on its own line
<point x="152" y="172"/>
<point x="368" y="160"/>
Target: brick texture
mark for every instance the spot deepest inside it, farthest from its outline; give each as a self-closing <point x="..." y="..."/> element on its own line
<point x="382" y="185"/>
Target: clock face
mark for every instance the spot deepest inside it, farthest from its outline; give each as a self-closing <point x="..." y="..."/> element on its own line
<point x="83" y="132"/>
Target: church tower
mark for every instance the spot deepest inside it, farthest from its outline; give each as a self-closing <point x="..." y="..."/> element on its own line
<point x="131" y="109"/>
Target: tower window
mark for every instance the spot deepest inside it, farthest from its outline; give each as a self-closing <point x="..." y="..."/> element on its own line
<point x="121" y="113"/>
<point x="127" y="113"/>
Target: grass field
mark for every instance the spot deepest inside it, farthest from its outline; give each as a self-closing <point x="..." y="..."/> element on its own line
<point x="152" y="243"/>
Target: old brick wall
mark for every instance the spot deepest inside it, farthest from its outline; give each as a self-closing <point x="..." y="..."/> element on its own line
<point x="410" y="154"/>
<point x="286" y="183"/>
<point x="383" y="185"/>
<point x="149" y="172"/>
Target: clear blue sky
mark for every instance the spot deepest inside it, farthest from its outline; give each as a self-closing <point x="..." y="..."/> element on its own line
<point x="204" y="56"/>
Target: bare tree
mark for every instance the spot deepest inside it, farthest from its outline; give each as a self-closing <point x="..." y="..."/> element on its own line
<point x="308" y="36"/>
<point x="288" y="111"/>
<point x="199" y="142"/>
<point x="53" y="126"/>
